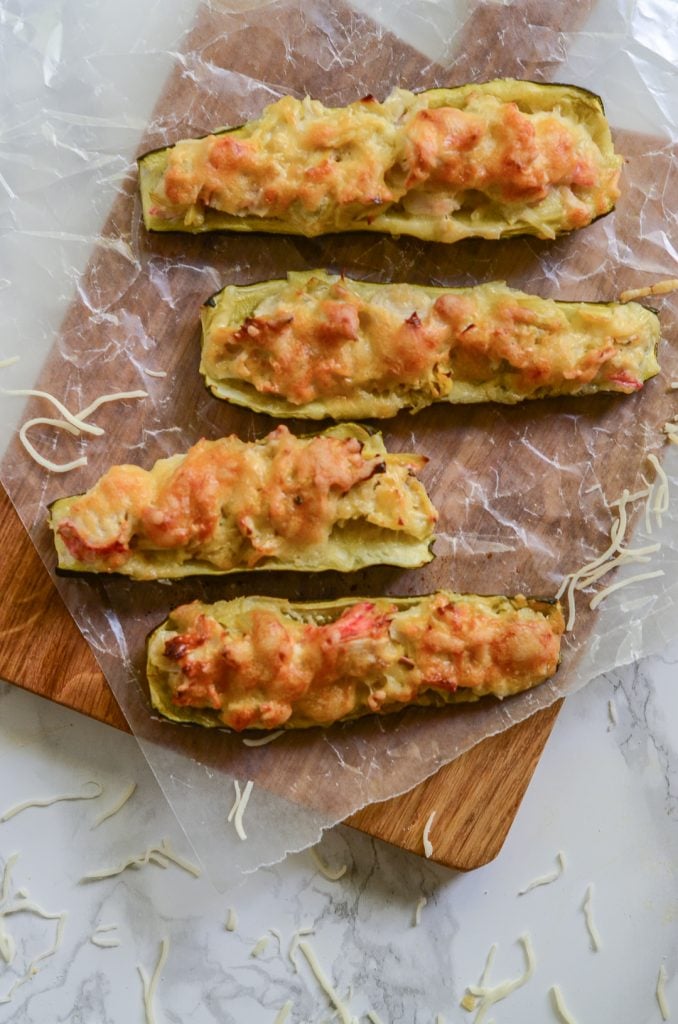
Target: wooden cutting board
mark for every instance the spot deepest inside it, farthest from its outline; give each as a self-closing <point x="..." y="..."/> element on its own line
<point x="476" y="797"/>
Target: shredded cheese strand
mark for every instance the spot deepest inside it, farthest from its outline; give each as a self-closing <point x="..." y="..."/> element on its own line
<point x="236" y="802"/>
<point x="231" y="920"/>
<point x="559" y="1003"/>
<point x="661" y="502"/>
<point x="306" y="930"/>
<point x="612" y="712"/>
<point x="240" y="810"/>
<point x="428" y="846"/>
<point x="150" y="987"/>
<point x="117" y="806"/>
<point x="332" y="874"/>
<point x="48" y="801"/>
<point x="552" y="876"/>
<point x="421" y="903"/>
<point x="104" y="943"/>
<point x="661" y="993"/>
<point x="325" y="984"/>
<point x="640" y="578"/>
<point x="54" y="467"/>
<point x="154" y="373"/>
<point x="490" y="996"/>
<point x="31" y="907"/>
<point x="10" y="361"/>
<point x="283" y="1013"/>
<point x="588" y="917"/>
<point x="374" y="1017"/>
<point x="660" y="288"/>
<point x="153" y="853"/>
<point x="118" y="396"/>
<point x="264" y="740"/>
<point x="260" y="946"/>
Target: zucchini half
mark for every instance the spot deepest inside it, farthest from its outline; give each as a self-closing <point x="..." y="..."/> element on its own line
<point x="265" y="663"/>
<point x="525" y="158"/>
<point x="333" y="500"/>
<point x="270" y="346"/>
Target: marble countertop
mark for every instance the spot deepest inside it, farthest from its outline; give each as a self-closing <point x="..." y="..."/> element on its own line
<point x="604" y="794"/>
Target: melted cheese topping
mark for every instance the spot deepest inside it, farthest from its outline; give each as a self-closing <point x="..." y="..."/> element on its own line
<point x="319" y="169"/>
<point x="362" y="349"/>
<point x="229" y="504"/>
<point x="259" y="663"/>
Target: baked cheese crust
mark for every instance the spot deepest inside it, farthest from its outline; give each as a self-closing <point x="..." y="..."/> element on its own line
<point x="336" y="500"/>
<point x="262" y="663"/>
<point x="319" y="345"/>
<point x="490" y="160"/>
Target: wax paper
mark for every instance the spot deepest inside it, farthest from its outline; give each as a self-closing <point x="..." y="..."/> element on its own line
<point x="523" y="492"/>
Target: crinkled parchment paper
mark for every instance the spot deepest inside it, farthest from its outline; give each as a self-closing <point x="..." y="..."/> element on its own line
<point x="520" y="491"/>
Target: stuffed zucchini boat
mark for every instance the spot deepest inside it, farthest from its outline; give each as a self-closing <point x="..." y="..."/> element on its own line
<point x="335" y="500"/>
<point x="264" y="663"/>
<point x="486" y="160"/>
<point x="318" y="345"/>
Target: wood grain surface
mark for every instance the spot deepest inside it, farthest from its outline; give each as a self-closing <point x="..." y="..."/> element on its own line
<point x="476" y="797"/>
<point x="516" y="480"/>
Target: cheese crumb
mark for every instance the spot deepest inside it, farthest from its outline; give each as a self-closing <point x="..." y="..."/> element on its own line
<point x="421" y="903"/>
<point x="260" y="946"/>
<point x="428" y="846"/>
<point x="231" y="920"/>
<point x="264" y="740"/>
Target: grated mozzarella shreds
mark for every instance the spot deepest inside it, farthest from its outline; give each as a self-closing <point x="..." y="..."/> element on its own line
<point x="260" y="946"/>
<point x="117" y="806"/>
<point x="294" y="943"/>
<point x="231" y="920"/>
<point x="155" y="373"/>
<point x="10" y="361"/>
<point x="561" y="1009"/>
<point x="238" y="797"/>
<point x="612" y="712"/>
<point x="48" y="801"/>
<point x="588" y="917"/>
<point x="264" y="740"/>
<point x="76" y="421"/>
<point x="489" y="996"/>
<point x="155" y="854"/>
<point x="421" y="903"/>
<point x="240" y="810"/>
<point x="428" y="846"/>
<point x="332" y="874"/>
<point x="639" y="578"/>
<point x="149" y="987"/>
<point x="661" y="993"/>
<point x="325" y="984"/>
<point x="374" y="1017"/>
<point x="659" y="288"/>
<point x="552" y="876"/>
<point x="31" y="907"/>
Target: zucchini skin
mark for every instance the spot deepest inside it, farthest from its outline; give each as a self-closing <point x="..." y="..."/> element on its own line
<point x="234" y="306"/>
<point x="350" y="546"/>
<point x="503" y="221"/>
<point x="161" y="667"/>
